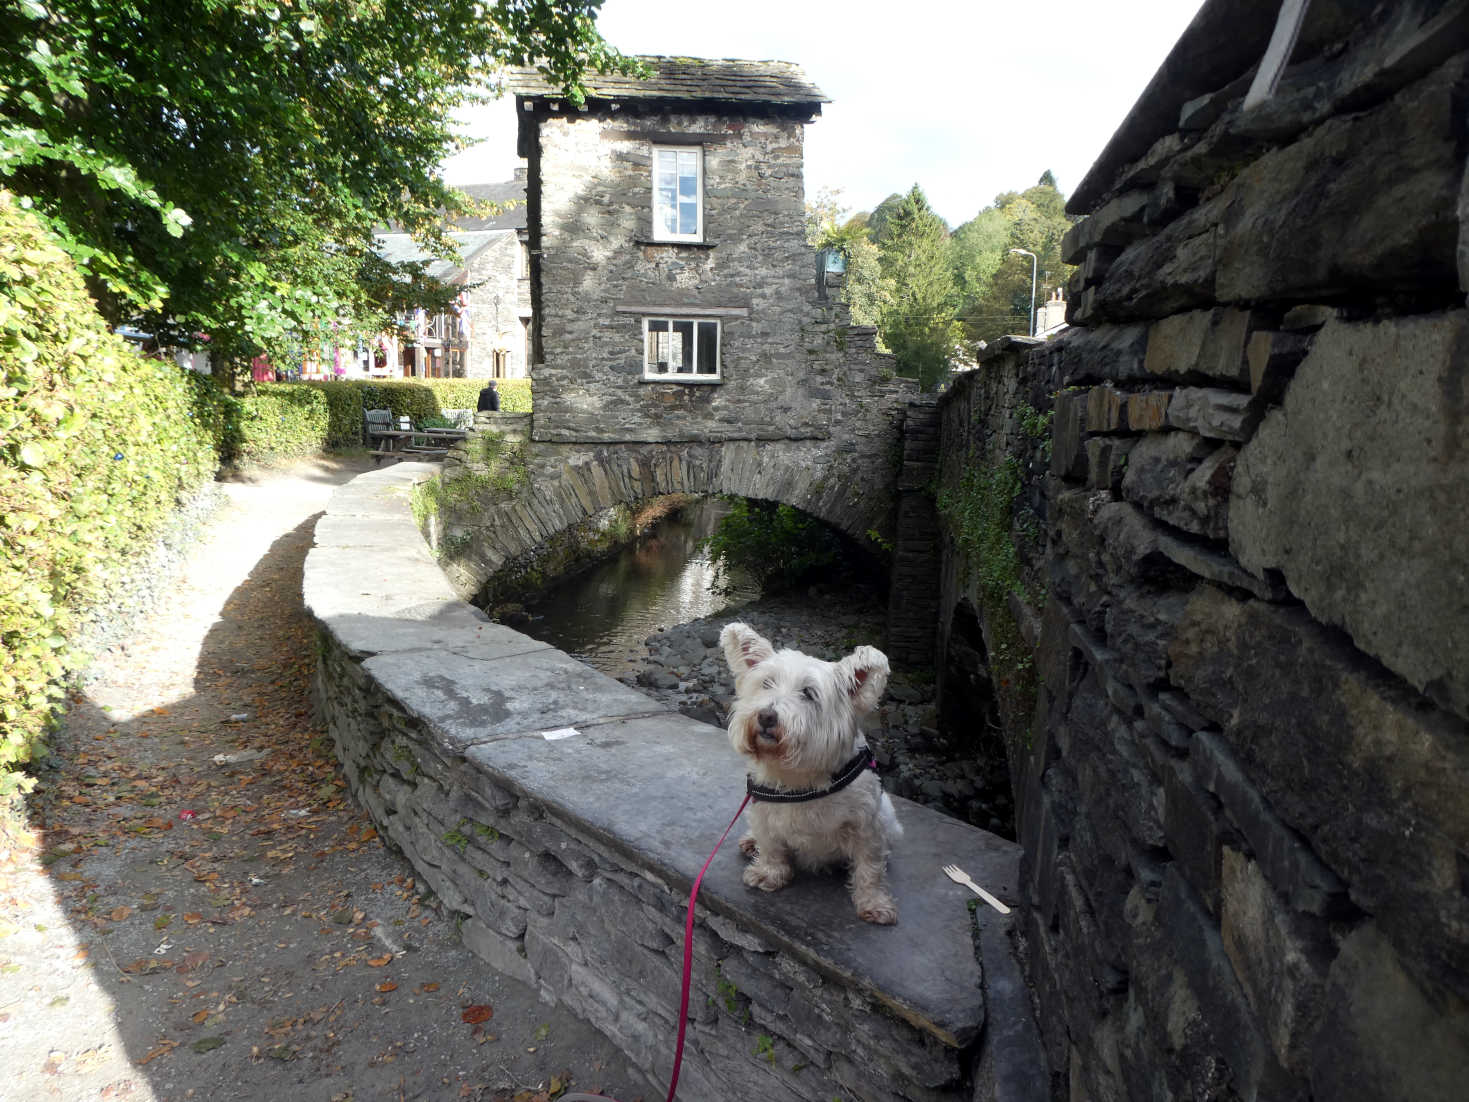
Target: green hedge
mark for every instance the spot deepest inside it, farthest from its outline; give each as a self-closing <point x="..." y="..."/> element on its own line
<point x="97" y="448"/>
<point x="344" y="413"/>
<point x="282" y="421"/>
<point x="279" y="421"/>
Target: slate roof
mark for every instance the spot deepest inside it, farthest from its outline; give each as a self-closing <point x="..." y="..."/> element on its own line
<point x="509" y="218"/>
<point x="688" y="78"/>
<point x="400" y="248"/>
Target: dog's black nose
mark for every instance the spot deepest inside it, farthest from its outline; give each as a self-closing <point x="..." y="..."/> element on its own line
<point x="767" y="717"/>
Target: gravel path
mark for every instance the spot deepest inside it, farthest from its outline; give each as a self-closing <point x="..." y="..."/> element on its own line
<point x="205" y="915"/>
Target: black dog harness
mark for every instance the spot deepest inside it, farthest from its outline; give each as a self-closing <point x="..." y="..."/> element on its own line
<point x="859" y="763"/>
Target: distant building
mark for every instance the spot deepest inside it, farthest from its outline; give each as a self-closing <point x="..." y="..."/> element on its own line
<point x="487" y="335"/>
<point x="1050" y="316"/>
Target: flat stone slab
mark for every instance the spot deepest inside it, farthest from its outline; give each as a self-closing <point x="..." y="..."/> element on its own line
<point x="661" y="789"/>
<point x="474" y="697"/>
<point x="368" y="534"/>
<point x="448" y="626"/>
<point x="339" y="581"/>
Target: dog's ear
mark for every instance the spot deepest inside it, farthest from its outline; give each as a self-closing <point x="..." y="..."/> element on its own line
<point x="864" y="675"/>
<point x="744" y="648"/>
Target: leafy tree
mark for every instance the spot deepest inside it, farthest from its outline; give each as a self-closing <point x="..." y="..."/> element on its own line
<point x="868" y="292"/>
<point x="775" y="544"/>
<point x="978" y="247"/>
<point x="218" y="166"/>
<point x="995" y="286"/>
<point x="918" y="324"/>
<point x="877" y="221"/>
<point x="865" y="291"/>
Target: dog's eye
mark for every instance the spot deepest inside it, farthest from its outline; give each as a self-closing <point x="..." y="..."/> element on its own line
<point x="809" y="693"/>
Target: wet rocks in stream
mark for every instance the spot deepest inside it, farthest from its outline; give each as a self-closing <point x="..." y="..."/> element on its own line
<point x="682" y="667"/>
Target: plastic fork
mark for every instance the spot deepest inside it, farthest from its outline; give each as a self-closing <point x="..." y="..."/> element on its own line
<point x="959" y="876"/>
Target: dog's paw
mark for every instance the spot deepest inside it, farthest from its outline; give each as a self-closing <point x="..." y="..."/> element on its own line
<point x="766" y="878"/>
<point x="879" y="911"/>
<point x="747" y="845"/>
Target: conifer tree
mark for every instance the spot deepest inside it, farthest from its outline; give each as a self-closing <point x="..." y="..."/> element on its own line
<point x="918" y="322"/>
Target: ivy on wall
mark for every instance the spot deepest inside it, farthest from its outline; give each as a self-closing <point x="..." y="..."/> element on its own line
<point x="980" y="514"/>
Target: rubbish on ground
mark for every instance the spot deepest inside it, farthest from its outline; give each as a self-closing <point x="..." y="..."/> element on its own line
<point x="239" y="756"/>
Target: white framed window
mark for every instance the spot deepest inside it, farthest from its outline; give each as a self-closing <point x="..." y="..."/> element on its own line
<point x="683" y="350"/>
<point x="678" y="193"/>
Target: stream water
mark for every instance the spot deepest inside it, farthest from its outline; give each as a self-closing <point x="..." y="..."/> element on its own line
<point x="603" y="614"/>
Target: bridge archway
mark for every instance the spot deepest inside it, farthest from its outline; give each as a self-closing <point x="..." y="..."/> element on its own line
<point x="476" y="532"/>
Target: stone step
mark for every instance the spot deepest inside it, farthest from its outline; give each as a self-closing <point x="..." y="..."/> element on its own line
<point x="566" y="816"/>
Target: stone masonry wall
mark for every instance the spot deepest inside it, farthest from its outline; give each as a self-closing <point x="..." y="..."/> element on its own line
<point x="594" y="204"/>
<point x="848" y="478"/>
<point x="1242" y="803"/>
<point x="495" y="274"/>
<point x="565" y="815"/>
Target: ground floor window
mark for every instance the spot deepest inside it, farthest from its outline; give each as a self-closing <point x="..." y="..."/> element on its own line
<point x="681" y="349"/>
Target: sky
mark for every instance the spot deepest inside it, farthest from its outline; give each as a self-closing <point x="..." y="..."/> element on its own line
<point x="966" y="98"/>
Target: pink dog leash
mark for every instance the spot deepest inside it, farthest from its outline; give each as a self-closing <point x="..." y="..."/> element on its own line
<point x="688" y="970"/>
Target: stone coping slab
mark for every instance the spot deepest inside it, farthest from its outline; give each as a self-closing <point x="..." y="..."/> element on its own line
<point x="661" y="788"/>
<point x="650" y="786"/>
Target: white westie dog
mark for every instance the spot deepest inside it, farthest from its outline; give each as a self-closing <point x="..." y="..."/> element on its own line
<point x="815" y="797"/>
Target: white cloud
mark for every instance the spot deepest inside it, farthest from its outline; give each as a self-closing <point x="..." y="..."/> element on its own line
<point x="967" y="98"/>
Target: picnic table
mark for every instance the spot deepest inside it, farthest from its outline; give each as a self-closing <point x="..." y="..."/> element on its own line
<point x="385" y="439"/>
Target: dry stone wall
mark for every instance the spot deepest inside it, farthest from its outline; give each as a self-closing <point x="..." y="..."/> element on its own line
<point x="1241" y="791"/>
<point x="564" y="816"/>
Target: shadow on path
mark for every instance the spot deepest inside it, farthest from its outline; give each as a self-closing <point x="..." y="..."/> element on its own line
<point x="208" y="915"/>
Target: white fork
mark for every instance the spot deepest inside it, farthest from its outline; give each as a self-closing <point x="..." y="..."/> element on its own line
<point x="959" y="876"/>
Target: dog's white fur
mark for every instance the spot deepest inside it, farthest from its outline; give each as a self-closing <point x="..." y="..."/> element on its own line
<point x="796" y="720"/>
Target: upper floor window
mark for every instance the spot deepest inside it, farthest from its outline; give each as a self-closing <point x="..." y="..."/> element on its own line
<point x="678" y="193"/>
<point x="681" y="349"/>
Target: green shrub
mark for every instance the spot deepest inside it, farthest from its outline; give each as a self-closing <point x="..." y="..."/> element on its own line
<point x="420" y="400"/>
<point x="344" y="413"/>
<point x="411" y="398"/>
<point x="514" y="395"/>
<point x="464" y="393"/>
<point x="777" y="545"/>
<point x="217" y="413"/>
<point x="97" y="447"/>
<point x="282" y="421"/>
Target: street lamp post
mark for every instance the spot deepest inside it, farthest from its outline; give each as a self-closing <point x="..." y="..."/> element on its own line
<point x="1030" y="254"/>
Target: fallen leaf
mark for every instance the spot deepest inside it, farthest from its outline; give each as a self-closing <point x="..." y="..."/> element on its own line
<point x="378" y="962"/>
<point x="389" y="986"/>
<point x="429" y="987"/>
<point x="117" y="914"/>
<point x="477" y="1013"/>
<point x="199" y="1016"/>
<point x="192" y="917"/>
<point x="165" y="1046"/>
<point x="207" y="1044"/>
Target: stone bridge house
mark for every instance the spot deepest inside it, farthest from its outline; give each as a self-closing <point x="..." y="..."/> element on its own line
<point x="683" y="339"/>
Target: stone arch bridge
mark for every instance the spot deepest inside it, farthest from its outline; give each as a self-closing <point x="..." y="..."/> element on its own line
<point x="867" y="478"/>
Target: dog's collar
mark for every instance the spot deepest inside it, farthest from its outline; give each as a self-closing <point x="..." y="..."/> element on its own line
<point x="858" y="764"/>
